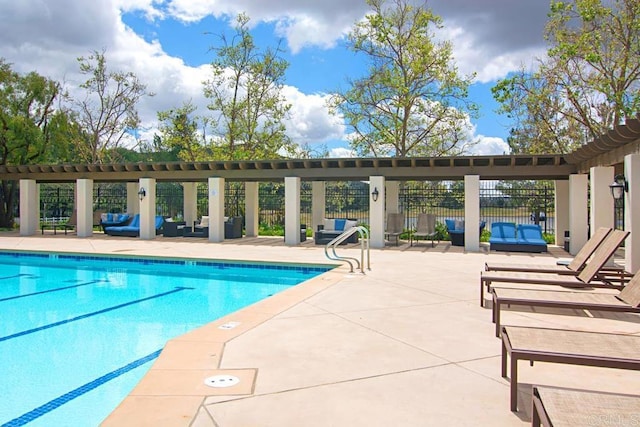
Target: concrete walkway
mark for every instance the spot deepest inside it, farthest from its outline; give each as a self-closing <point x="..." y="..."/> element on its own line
<point x="406" y="344"/>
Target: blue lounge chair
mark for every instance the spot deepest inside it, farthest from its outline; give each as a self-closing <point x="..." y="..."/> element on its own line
<point x="133" y="229"/>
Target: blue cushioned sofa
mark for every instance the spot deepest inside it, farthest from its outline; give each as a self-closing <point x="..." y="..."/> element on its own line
<point x="506" y="236"/>
<point x="133" y="228"/>
<point x="114" y="220"/>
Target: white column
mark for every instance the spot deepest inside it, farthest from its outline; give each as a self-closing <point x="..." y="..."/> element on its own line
<point x="28" y="207"/>
<point x="251" y="208"/>
<point x="133" y="202"/>
<point x="601" y="201"/>
<point x="190" y="202"/>
<point x="216" y="210"/>
<point x="318" y="203"/>
<point x="561" y="208"/>
<point x="472" y="213"/>
<point x="631" y="209"/>
<point x="376" y="212"/>
<point x="147" y="208"/>
<point x="578" y="202"/>
<point x="392" y="196"/>
<point x="292" y="210"/>
<point x="84" y="207"/>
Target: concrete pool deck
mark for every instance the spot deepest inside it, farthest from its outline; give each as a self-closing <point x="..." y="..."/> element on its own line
<point x="405" y="344"/>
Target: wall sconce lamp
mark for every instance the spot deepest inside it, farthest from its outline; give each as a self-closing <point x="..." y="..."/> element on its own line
<point x="619" y="187"/>
<point x="374" y="194"/>
<point x="142" y="193"/>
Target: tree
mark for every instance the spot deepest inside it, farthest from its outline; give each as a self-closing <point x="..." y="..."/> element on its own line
<point x="413" y="102"/>
<point x="27" y="109"/>
<point x="107" y="113"/>
<point x="589" y="82"/>
<point x="246" y="98"/>
<point x="184" y="134"/>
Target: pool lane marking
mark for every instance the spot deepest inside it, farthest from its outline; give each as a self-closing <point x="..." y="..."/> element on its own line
<point x="15" y="276"/>
<point x="95" y="313"/>
<point x="51" y="290"/>
<point x="41" y="410"/>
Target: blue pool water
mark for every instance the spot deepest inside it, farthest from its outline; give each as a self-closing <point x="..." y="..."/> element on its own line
<point x="77" y="332"/>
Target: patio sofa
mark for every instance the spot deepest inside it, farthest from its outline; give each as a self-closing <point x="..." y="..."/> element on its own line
<point x="114" y="220"/>
<point x="332" y="228"/>
<point x="455" y="228"/>
<point x="506" y="236"/>
<point x="133" y="228"/>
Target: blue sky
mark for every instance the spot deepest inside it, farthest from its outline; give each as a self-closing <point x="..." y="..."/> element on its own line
<point x="167" y="44"/>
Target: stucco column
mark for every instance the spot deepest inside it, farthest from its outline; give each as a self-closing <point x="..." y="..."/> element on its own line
<point x="631" y="209"/>
<point x="29" y="207"/>
<point x="190" y="202"/>
<point x="392" y="196"/>
<point x="561" y="208"/>
<point x="318" y="203"/>
<point x="578" y="212"/>
<point x="376" y="212"/>
<point x="472" y="213"/>
<point x="147" y="209"/>
<point x="251" y="208"/>
<point x="133" y="202"/>
<point x="292" y="210"/>
<point x="601" y="209"/>
<point x="84" y="207"/>
<point x="216" y="210"/>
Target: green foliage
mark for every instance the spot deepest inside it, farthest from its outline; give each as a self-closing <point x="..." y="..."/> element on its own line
<point x="247" y="103"/>
<point x="183" y="134"/>
<point x="29" y="127"/>
<point x="412" y="102"/>
<point x="588" y="83"/>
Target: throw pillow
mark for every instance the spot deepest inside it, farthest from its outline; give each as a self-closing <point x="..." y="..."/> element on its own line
<point x="328" y="224"/>
<point x="339" y="224"/>
<point x="459" y="225"/>
<point x="103" y="217"/>
<point x="350" y="224"/>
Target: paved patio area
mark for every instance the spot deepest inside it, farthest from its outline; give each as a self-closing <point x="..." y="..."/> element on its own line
<point x="406" y="344"/>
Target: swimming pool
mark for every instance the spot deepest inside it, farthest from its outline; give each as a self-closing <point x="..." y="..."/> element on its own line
<point x="78" y="332"/>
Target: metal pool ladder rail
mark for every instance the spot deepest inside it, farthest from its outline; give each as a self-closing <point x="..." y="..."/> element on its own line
<point x="364" y="244"/>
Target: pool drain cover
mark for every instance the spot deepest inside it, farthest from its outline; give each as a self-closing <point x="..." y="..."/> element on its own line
<point x="221" y="381"/>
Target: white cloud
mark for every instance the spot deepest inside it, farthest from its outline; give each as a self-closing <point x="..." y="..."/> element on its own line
<point x="342" y="153"/>
<point x="490" y="146"/>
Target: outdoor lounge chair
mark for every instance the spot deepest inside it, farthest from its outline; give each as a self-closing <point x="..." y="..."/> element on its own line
<point x="425" y="227"/>
<point x="395" y="226"/>
<point x="71" y="223"/>
<point x="553" y="406"/>
<point x="590" y="276"/>
<point x="601" y="349"/>
<point x="574" y="267"/>
<point x="627" y="300"/>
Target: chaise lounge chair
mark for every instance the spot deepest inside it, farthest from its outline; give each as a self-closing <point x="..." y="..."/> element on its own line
<point x="395" y="226"/>
<point x="574" y="267"/>
<point x="568" y="347"/>
<point x="627" y="300"/>
<point x="591" y="276"/>
<point x="553" y="406"/>
<point x="425" y="228"/>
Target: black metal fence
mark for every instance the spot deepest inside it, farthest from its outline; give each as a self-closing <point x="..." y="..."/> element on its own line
<point x="513" y="201"/>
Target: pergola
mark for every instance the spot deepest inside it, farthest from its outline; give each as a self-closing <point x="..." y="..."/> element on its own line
<point x="590" y="169"/>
